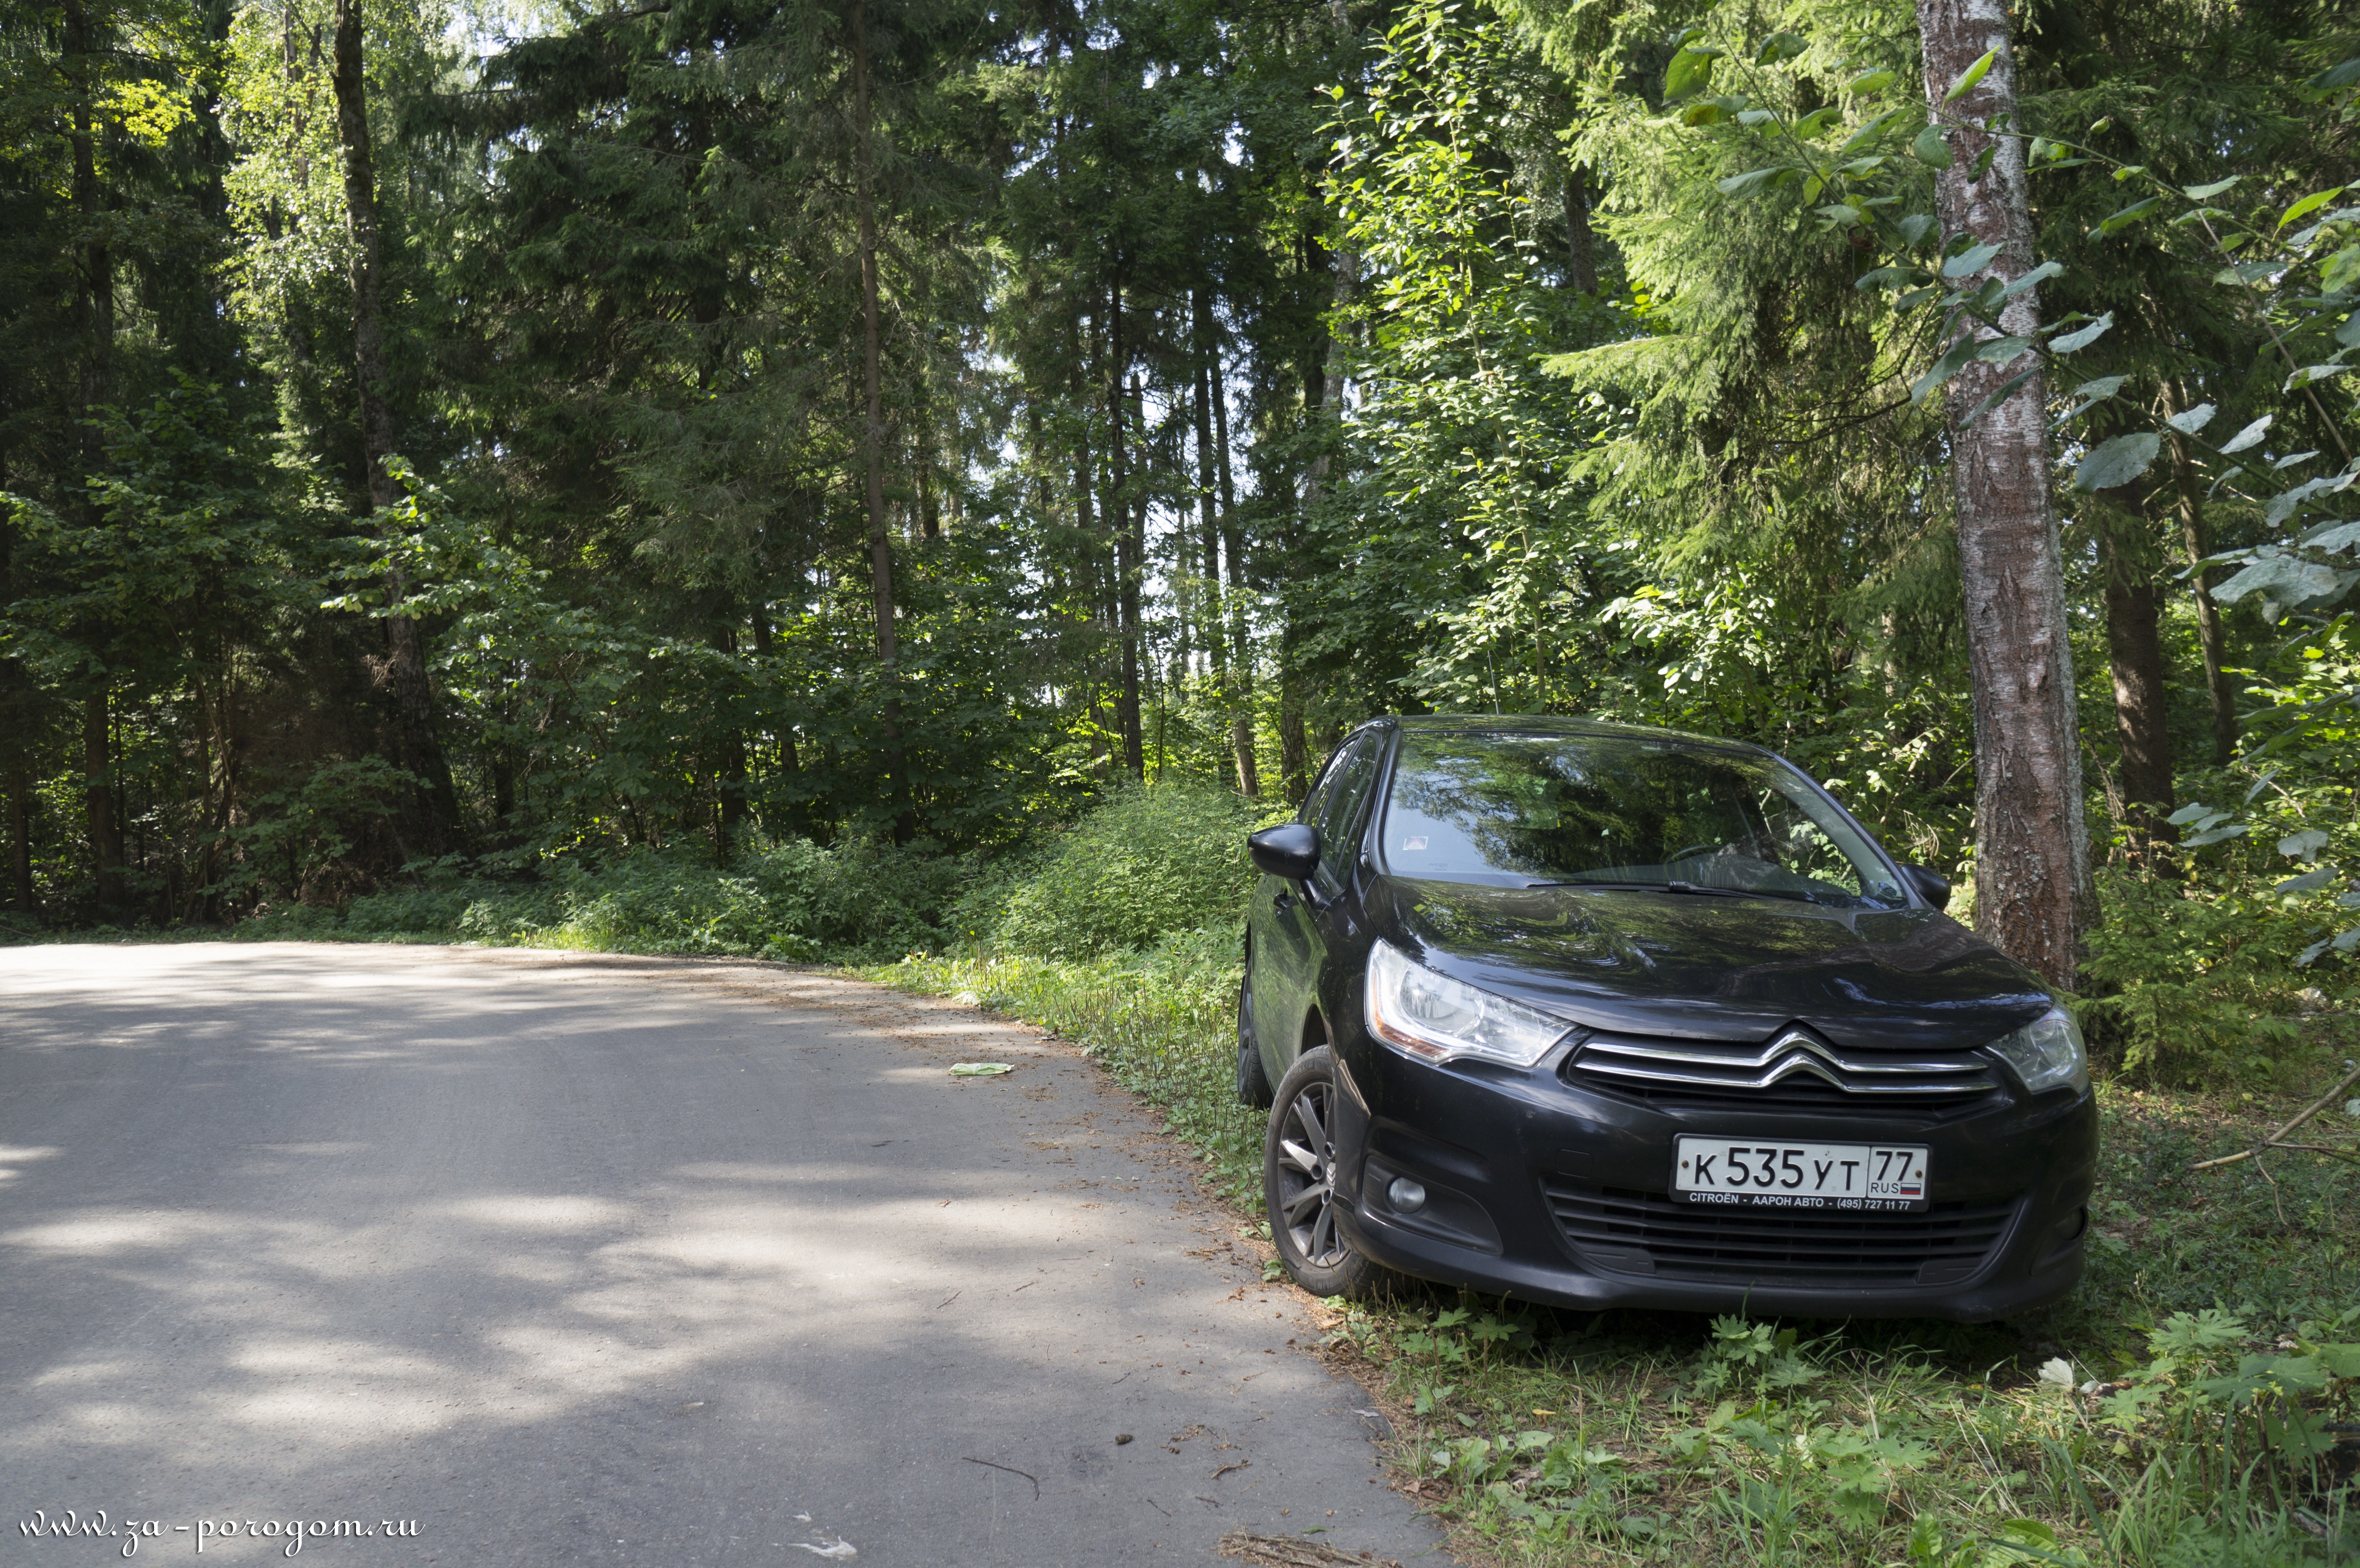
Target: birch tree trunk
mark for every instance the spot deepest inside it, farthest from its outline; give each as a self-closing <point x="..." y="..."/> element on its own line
<point x="2033" y="892"/>
<point x="422" y="754"/>
<point x="1241" y="728"/>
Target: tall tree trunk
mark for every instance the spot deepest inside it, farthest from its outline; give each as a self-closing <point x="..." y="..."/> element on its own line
<point x="2135" y="652"/>
<point x="1580" y="253"/>
<point x="1241" y="744"/>
<point x="1088" y="474"/>
<point x="17" y="716"/>
<point x="1232" y="537"/>
<point x="1242" y="729"/>
<point x="421" y="752"/>
<point x="21" y="837"/>
<point x="1208" y="530"/>
<point x="1293" y="752"/>
<point x="94" y="301"/>
<point x="1127" y="564"/>
<point x="93" y="384"/>
<point x="2033" y="892"/>
<point x="930" y="506"/>
<point x="729" y="772"/>
<point x="872" y="371"/>
<point x="1346" y="281"/>
<point x="98" y="795"/>
<point x="2207" y="609"/>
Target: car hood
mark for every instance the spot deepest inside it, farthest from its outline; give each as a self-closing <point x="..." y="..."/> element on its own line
<point x="1716" y="968"/>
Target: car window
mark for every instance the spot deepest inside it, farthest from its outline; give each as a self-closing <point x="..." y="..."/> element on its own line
<point x="1348" y="785"/>
<point x="1610" y="810"/>
<point x="1315" y="804"/>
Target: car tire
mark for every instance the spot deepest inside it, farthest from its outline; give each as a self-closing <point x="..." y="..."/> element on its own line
<point x="1298" y="1166"/>
<point x="1253" y="1083"/>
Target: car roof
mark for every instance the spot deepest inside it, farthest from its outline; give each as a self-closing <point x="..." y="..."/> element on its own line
<point x="1551" y="725"/>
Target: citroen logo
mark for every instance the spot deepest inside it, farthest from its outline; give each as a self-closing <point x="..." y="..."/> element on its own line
<point x="1802" y="1053"/>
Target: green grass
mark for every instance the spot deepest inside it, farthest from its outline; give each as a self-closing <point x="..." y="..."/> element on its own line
<point x="1156" y="1020"/>
<point x="2213" y="1323"/>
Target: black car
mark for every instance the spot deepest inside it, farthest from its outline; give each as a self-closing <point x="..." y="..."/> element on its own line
<point x="1603" y="1016"/>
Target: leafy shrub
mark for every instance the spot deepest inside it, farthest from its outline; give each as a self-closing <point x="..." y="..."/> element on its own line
<point x="1150" y="861"/>
<point x="2191" y="978"/>
<point x="432" y="911"/>
<point x="793" y="899"/>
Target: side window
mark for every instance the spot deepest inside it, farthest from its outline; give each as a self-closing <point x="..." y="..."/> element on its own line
<point x="1323" y="787"/>
<point x="1348" y="785"/>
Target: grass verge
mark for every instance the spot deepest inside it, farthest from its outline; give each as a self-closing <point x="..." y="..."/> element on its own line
<point x="2189" y="1406"/>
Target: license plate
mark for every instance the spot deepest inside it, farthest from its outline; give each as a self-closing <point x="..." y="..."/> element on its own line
<point x="1882" y="1176"/>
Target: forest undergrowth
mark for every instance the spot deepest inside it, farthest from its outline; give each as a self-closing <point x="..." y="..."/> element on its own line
<point x="2193" y="1404"/>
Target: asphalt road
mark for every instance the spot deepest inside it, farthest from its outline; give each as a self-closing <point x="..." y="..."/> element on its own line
<point x="579" y="1259"/>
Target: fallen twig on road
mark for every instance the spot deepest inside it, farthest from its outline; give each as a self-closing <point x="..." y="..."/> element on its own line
<point x="1012" y="1471"/>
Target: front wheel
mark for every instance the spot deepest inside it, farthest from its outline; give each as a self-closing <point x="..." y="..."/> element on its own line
<point x="1298" y="1183"/>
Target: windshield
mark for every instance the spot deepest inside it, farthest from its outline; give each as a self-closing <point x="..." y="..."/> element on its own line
<point x="1609" y="811"/>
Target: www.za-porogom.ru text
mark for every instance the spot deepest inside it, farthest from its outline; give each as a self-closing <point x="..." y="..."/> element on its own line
<point x="288" y="1534"/>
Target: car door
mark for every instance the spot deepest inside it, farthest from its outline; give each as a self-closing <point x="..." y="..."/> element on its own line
<point x="1289" y="944"/>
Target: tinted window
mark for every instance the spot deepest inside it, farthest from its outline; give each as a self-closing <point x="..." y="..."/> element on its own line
<point x="1609" y="811"/>
<point x="1348" y="791"/>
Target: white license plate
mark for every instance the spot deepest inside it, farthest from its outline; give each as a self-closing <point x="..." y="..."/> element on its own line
<point x="1737" y="1170"/>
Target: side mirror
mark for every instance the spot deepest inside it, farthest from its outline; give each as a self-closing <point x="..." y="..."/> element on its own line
<point x="1289" y="850"/>
<point x="1930" y="885"/>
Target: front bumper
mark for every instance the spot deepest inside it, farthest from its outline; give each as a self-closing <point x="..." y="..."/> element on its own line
<point x="1540" y="1188"/>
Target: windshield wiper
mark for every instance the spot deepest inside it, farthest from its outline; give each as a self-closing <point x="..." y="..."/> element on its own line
<point x="1741" y="892"/>
<point x="1682" y="888"/>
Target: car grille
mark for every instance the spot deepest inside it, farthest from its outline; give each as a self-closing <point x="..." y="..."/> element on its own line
<point x="1628" y="1232"/>
<point x="1795" y="1069"/>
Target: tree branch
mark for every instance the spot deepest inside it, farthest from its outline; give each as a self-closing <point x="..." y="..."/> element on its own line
<point x="2301" y="1116"/>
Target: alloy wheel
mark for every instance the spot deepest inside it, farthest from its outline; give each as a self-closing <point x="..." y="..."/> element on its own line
<point x="1306" y="1170"/>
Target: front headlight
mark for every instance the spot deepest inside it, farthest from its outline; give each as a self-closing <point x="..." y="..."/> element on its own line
<point x="1433" y="1017"/>
<point x="2047" y="1053"/>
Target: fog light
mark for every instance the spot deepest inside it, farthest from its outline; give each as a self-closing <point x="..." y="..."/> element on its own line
<point x="1405" y="1195"/>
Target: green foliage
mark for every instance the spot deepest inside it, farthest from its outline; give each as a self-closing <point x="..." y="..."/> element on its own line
<point x="2202" y="962"/>
<point x="1146" y="864"/>
<point x="791" y="901"/>
<point x="2194" y="979"/>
